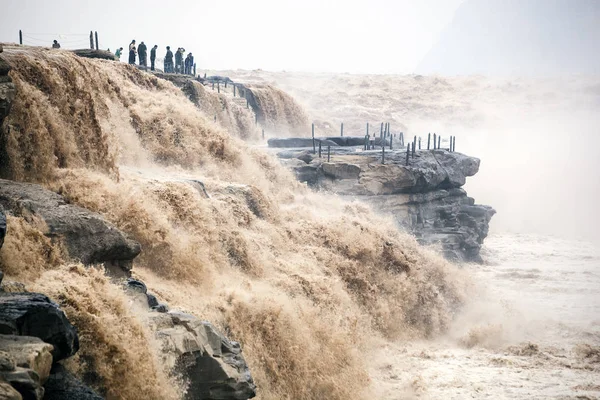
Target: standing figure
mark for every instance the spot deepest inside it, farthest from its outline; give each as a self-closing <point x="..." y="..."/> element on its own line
<point x="118" y="53"/>
<point x="178" y="61"/>
<point x="132" y="55"/>
<point x="153" y="57"/>
<point x="191" y="57"/>
<point x="186" y="65"/>
<point x="169" y="60"/>
<point x="56" y="45"/>
<point x="142" y="53"/>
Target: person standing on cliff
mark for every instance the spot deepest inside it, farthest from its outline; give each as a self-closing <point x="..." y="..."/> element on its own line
<point x="132" y="55"/>
<point x="118" y="53"/>
<point x="142" y="54"/>
<point x="56" y="45"/>
<point x="178" y="61"/>
<point x="153" y="57"/>
<point x="169" y="60"/>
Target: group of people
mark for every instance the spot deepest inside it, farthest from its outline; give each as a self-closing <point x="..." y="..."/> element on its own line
<point x="181" y="66"/>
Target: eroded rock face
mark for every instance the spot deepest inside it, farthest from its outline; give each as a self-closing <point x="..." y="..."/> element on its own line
<point x="86" y="235"/>
<point x="425" y="196"/>
<point x="33" y="314"/>
<point x="212" y="364"/>
<point x="27" y="352"/>
<point x="62" y="385"/>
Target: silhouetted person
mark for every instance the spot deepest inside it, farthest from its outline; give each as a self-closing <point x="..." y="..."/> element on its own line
<point x="56" y="45"/>
<point x="153" y="57"/>
<point x="169" y="60"/>
<point x="191" y="58"/>
<point x="142" y="54"/>
<point x="132" y="44"/>
<point x="178" y="61"/>
<point x="132" y="54"/>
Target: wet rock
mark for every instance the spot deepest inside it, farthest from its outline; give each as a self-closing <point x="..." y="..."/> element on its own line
<point x="86" y="235"/>
<point x="136" y="286"/>
<point x="152" y="301"/>
<point x="26" y="352"/>
<point x="33" y="314"/>
<point x="212" y="364"/>
<point x="161" y="308"/>
<point x="7" y="392"/>
<point x="92" y="53"/>
<point x="62" y="385"/>
<point x="26" y="382"/>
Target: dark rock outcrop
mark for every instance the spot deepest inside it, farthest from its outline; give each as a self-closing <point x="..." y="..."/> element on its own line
<point x="86" y="235"/>
<point x="212" y="365"/>
<point x="424" y="196"/>
<point x="33" y="314"/>
<point x="92" y="53"/>
<point x="299" y="142"/>
<point x="62" y="385"/>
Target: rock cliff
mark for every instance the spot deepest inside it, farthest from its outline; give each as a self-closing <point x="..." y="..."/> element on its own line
<point x="425" y="196"/>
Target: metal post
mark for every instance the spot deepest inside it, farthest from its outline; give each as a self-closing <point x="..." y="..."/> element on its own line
<point x="367" y="129"/>
<point x="213" y="86"/>
<point x="342" y="129"/>
<point x="319" y="149"/>
<point x="407" y="153"/>
<point x="20" y="37"/>
<point x="434" y="140"/>
<point x="454" y="144"/>
<point x="92" y="40"/>
<point x="450" y="145"/>
<point x="194" y="69"/>
<point x="225" y="84"/>
<point x="382" y="155"/>
<point x="366" y="142"/>
<point x="313" y="138"/>
<point x="96" y="40"/>
<point x="414" y="146"/>
<point x="439" y="141"/>
<point x="381" y="131"/>
<point x="247" y="103"/>
<point x="419" y="142"/>
<point x="328" y="153"/>
<point x="391" y="138"/>
<point x="218" y="87"/>
<point x="428" y="139"/>
<point x="234" y="90"/>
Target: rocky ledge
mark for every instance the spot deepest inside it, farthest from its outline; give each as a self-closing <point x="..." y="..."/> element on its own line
<point x="424" y="196"/>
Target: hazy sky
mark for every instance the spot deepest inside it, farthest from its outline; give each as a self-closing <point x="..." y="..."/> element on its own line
<point x="376" y="36"/>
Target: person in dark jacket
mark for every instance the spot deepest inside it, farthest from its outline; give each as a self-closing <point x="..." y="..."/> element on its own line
<point x="142" y="54"/>
<point x="169" y="60"/>
<point x="56" y="45"/>
<point x="179" y="61"/>
<point x="153" y="57"/>
<point x="132" y="54"/>
<point x="191" y="58"/>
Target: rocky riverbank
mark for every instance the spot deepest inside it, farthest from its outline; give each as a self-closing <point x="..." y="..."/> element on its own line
<point x="425" y="195"/>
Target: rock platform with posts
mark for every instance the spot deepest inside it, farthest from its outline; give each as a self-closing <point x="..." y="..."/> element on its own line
<point x="420" y="188"/>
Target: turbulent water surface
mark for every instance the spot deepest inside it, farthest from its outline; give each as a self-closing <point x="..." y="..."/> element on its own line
<point x="532" y="333"/>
